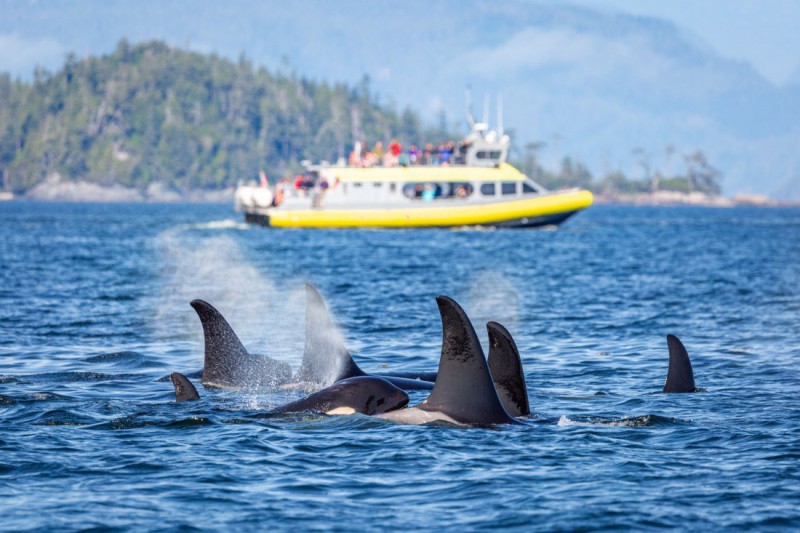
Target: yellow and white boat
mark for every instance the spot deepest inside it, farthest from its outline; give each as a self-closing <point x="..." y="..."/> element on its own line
<point x="478" y="189"/>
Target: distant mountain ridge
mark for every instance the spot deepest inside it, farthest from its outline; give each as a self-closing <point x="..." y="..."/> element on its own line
<point x="592" y="84"/>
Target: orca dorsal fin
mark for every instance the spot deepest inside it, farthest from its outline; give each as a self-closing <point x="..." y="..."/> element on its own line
<point x="184" y="390"/>
<point x="223" y="350"/>
<point x="325" y="358"/>
<point x="506" y="368"/>
<point x="464" y="390"/>
<point x="680" y="377"/>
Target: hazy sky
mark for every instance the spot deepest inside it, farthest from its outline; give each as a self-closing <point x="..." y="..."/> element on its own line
<point x="765" y="33"/>
<point x="761" y="32"/>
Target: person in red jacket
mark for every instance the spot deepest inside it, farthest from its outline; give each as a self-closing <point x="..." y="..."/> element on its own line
<point x="395" y="149"/>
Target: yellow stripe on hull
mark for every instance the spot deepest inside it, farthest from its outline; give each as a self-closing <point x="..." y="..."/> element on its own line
<point x="434" y="216"/>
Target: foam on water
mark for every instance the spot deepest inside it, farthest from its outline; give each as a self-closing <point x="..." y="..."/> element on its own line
<point x="634" y="421"/>
<point x="222" y="225"/>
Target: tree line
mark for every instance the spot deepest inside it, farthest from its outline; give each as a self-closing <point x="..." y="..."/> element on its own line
<point x="697" y="175"/>
<point x="150" y="113"/>
<point x="154" y="113"/>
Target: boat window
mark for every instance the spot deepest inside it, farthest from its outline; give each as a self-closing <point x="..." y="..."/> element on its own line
<point x="527" y="187"/>
<point x="461" y="190"/>
<point x="412" y="190"/>
<point x="393" y="187"/>
<point x="488" y="155"/>
<point x="487" y="189"/>
<point x="377" y="184"/>
<point x="356" y="184"/>
<point x="436" y="191"/>
<point x="509" y="188"/>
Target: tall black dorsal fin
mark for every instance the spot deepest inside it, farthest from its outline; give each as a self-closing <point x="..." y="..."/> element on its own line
<point x="184" y="390"/>
<point x="223" y="350"/>
<point x="464" y="390"/>
<point x="507" y="373"/>
<point x="680" y="377"/>
<point x="325" y="359"/>
<point x="227" y="363"/>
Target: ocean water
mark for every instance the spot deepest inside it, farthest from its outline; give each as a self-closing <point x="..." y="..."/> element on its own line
<point x="94" y="309"/>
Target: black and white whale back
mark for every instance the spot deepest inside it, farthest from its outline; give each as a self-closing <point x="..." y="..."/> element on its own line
<point x="367" y="395"/>
<point x="507" y="373"/>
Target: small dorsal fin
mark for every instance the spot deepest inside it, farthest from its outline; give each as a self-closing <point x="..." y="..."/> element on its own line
<point x="223" y="347"/>
<point x="507" y="373"/>
<point x="680" y="377"/>
<point x="325" y="358"/>
<point x="464" y="389"/>
<point x="184" y="390"/>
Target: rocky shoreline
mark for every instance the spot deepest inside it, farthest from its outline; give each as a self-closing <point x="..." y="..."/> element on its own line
<point x="699" y="199"/>
<point x="56" y="189"/>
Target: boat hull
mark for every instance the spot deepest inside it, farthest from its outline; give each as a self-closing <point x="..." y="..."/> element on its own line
<point x="550" y="209"/>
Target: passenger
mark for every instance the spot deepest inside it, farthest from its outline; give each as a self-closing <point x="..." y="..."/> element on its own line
<point x="393" y="155"/>
<point x="451" y="149"/>
<point x="277" y="199"/>
<point x="428" y="193"/>
<point x="355" y="156"/>
<point x="413" y="154"/>
<point x="378" y="152"/>
<point x="285" y="186"/>
<point x="369" y="159"/>
<point x="323" y="183"/>
<point x="262" y="176"/>
<point x="461" y="192"/>
<point x="418" y="191"/>
<point x="430" y="155"/>
<point x="422" y="158"/>
<point x="444" y="154"/>
<point x="298" y="182"/>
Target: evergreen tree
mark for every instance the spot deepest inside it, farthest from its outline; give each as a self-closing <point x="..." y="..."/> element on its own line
<point x="152" y="113"/>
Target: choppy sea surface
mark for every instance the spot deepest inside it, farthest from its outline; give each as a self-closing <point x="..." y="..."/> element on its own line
<point x="94" y="308"/>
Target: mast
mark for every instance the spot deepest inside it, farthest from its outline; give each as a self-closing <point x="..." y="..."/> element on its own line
<point x="500" y="116"/>
<point x="470" y="118"/>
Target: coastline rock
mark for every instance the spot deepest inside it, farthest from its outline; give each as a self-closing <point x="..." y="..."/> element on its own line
<point x="161" y="193"/>
<point x="57" y="189"/>
<point x="666" y="198"/>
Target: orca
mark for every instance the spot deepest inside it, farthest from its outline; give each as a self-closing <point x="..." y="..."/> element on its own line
<point x="680" y="376"/>
<point x="366" y="395"/>
<point x="184" y="390"/>
<point x="326" y="360"/>
<point x="228" y="365"/>
<point x="464" y="393"/>
<point x="507" y="373"/>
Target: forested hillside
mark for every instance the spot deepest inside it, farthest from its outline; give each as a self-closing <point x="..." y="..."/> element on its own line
<point x="152" y="113"/>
